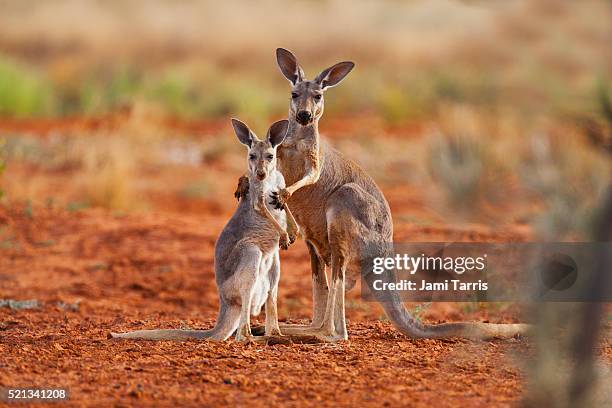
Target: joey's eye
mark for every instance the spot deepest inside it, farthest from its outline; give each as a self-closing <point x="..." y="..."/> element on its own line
<point x="269" y="157"/>
<point x="317" y="97"/>
<point x="252" y="156"/>
<point x="294" y="95"/>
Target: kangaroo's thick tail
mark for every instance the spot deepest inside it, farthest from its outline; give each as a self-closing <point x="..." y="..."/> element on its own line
<point x="411" y="327"/>
<point x="227" y="322"/>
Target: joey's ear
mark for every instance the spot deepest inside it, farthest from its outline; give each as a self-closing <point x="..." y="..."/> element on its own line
<point x="243" y="132"/>
<point x="289" y="66"/>
<point x="334" y="74"/>
<point x="277" y="132"/>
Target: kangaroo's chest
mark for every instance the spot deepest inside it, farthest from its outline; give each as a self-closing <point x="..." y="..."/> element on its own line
<point x="271" y="185"/>
<point x="292" y="161"/>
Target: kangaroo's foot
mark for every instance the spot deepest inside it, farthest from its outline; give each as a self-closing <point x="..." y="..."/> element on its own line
<point x="281" y="339"/>
<point x="293" y="328"/>
<point x="321" y="333"/>
<point x="287" y="329"/>
<point x="299" y="333"/>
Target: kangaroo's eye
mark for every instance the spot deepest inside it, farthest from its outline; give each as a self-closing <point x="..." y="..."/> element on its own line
<point x="252" y="156"/>
<point x="294" y="95"/>
<point x="317" y="97"/>
<point x="269" y="157"/>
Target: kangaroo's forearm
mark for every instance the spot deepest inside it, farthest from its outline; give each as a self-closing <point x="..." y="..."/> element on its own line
<point x="312" y="169"/>
<point x="311" y="177"/>
<point x="291" y="223"/>
<point x="261" y="208"/>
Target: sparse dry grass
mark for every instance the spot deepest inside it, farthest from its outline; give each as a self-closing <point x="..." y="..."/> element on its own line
<point x="484" y="78"/>
<point x="205" y="59"/>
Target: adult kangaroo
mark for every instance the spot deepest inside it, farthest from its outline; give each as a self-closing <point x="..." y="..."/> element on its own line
<point x="340" y="211"/>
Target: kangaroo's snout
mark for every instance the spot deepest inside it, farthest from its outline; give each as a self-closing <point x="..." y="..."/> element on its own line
<point x="303" y="117"/>
<point x="261" y="175"/>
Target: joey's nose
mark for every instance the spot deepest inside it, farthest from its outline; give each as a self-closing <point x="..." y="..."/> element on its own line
<point x="304" y="117"/>
<point x="261" y="175"/>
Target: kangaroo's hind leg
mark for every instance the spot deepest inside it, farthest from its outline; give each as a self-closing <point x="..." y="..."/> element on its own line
<point x="351" y="218"/>
<point x="243" y="282"/>
<point x="272" y="328"/>
<point x="320" y="291"/>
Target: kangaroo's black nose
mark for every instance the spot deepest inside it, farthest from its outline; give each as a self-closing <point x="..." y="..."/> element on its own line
<point x="304" y="117"/>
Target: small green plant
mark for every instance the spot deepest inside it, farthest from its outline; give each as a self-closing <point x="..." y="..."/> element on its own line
<point x="419" y="309"/>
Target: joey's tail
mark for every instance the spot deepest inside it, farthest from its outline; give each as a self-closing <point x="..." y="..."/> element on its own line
<point x="411" y="327"/>
<point x="227" y="322"/>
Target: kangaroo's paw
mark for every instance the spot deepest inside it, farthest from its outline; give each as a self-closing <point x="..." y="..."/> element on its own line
<point x="280" y="198"/>
<point x="284" y="241"/>
<point x="292" y="236"/>
<point x="242" y="189"/>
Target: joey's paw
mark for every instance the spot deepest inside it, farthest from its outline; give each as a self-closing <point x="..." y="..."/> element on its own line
<point x="280" y="198"/>
<point x="275" y="201"/>
<point x="292" y="236"/>
<point x="284" y="241"/>
<point x="242" y="189"/>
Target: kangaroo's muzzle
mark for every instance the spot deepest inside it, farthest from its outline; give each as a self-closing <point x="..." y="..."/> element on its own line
<point x="303" y="117"/>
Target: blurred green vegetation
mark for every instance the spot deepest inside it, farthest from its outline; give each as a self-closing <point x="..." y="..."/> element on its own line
<point x="24" y="92"/>
<point x="201" y="91"/>
<point x="2" y="166"/>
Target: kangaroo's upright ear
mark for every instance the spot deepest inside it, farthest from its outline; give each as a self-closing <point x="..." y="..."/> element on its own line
<point x="334" y="74"/>
<point x="289" y="66"/>
<point x="243" y="132"/>
<point x="277" y="132"/>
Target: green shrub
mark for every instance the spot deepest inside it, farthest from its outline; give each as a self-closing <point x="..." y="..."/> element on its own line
<point x="23" y="92"/>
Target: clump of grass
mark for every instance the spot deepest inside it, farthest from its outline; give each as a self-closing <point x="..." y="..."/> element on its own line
<point x="108" y="173"/>
<point x="417" y="311"/>
<point x="396" y="105"/>
<point x="457" y="162"/>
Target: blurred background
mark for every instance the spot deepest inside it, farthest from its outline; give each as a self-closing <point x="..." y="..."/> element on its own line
<point x="494" y="110"/>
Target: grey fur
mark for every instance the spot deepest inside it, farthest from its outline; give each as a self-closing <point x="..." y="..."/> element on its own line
<point x="247" y="266"/>
<point x="341" y="210"/>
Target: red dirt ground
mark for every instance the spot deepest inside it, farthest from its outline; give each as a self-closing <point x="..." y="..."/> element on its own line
<point x="156" y="270"/>
<point x="94" y="271"/>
